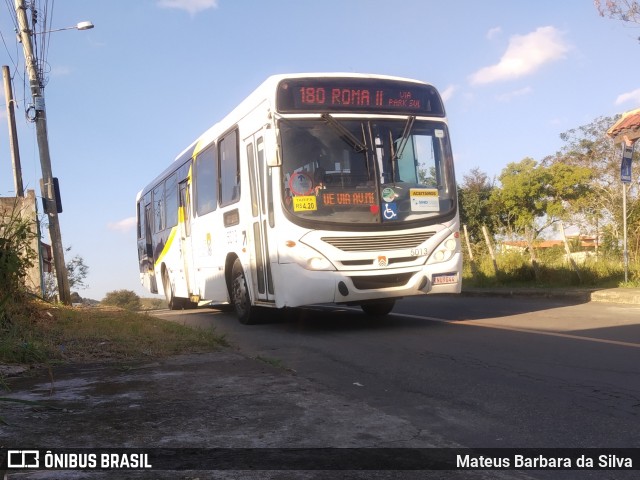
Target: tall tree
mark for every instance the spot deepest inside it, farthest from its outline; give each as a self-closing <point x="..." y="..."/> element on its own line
<point x="475" y="207"/>
<point x="589" y="146"/>
<point x="533" y="196"/>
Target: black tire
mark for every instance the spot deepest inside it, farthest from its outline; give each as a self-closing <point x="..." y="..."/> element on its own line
<point x="378" y="308"/>
<point x="174" y="303"/>
<point x="240" y="295"/>
<point x="189" y="305"/>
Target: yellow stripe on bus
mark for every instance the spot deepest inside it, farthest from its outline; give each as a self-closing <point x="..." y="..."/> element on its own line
<point x="167" y="245"/>
<point x="199" y="147"/>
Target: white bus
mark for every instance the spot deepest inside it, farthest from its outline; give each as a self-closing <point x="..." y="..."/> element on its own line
<point x="318" y="188"/>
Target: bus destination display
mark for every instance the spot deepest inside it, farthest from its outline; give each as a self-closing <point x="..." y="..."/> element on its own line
<point x="357" y="95"/>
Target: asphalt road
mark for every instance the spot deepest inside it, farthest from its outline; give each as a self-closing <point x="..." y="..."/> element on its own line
<point x="478" y="371"/>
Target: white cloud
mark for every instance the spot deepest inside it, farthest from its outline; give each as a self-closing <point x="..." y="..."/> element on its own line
<point x="191" y="6"/>
<point x="525" y="54"/>
<point x="124" y="226"/>
<point x="494" y="32"/>
<point x="629" y="97"/>
<point x="507" y="97"/>
<point x="60" y="71"/>
<point x="447" y="93"/>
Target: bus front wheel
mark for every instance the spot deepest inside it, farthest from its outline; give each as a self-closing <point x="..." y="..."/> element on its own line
<point x="240" y="295"/>
<point x="378" y="308"/>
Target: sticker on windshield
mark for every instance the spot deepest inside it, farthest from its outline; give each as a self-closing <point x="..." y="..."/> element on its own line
<point x="305" y="203"/>
<point x="388" y="194"/>
<point x="439" y="133"/>
<point x="390" y="211"/>
<point x="424" y="200"/>
<point x="300" y="183"/>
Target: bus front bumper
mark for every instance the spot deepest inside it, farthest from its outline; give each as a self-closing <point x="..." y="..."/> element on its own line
<point x="296" y="286"/>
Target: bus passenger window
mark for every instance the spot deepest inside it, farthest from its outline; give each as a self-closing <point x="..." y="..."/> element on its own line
<point x="206" y="181"/>
<point x="229" y="169"/>
<point x="140" y="215"/>
<point x="158" y="208"/>
<point x="171" y="201"/>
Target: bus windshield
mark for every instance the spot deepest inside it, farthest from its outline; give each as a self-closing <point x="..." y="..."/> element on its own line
<point x="374" y="171"/>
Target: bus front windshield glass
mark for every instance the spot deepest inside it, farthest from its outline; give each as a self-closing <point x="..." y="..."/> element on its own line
<point x="366" y="171"/>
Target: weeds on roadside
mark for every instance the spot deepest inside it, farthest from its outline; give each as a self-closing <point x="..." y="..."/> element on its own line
<point x="515" y="269"/>
<point x="41" y="333"/>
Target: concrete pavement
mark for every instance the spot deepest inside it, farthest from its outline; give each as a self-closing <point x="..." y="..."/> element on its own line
<point x="608" y="295"/>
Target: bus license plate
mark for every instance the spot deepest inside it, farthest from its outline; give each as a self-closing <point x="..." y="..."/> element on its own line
<point x="445" y="278"/>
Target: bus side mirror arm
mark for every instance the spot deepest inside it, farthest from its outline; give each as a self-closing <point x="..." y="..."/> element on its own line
<point x="274" y="160"/>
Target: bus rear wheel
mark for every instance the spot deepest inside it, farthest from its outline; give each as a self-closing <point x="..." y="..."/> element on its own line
<point x="173" y="302"/>
<point x="378" y="308"/>
<point x="240" y="295"/>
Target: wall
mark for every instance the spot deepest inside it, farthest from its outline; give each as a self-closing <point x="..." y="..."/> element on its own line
<point x="27" y="207"/>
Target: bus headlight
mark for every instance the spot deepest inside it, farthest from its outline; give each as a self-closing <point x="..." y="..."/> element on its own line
<point x="318" y="263"/>
<point x="307" y="257"/>
<point x="446" y="249"/>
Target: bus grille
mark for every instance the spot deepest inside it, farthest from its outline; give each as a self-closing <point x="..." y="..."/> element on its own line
<point x="381" y="281"/>
<point x="378" y="243"/>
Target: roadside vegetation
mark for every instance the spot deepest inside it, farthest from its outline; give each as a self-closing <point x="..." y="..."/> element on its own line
<point x="35" y="332"/>
<point x="574" y="197"/>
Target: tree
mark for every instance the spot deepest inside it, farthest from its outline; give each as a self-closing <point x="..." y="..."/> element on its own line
<point x="77" y="272"/>
<point x="600" y="208"/>
<point x="625" y="10"/>
<point x="475" y="207"/>
<point x="126" y="299"/>
<point x="521" y="199"/>
<point x="533" y="196"/>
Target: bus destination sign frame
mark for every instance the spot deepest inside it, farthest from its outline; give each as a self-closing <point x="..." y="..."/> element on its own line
<point x="358" y="95"/>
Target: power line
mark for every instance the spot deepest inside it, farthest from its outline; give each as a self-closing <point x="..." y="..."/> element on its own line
<point x="12" y="15"/>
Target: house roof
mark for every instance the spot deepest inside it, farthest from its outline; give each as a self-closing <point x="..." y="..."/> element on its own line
<point x="628" y="126"/>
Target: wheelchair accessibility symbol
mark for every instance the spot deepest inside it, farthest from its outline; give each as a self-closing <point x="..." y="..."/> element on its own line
<point x="390" y="211"/>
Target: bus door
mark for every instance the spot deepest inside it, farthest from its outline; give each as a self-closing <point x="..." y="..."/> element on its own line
<point x="148" y="250"/>
<point x="260" y="252"/>
<point x="184" y="222"/>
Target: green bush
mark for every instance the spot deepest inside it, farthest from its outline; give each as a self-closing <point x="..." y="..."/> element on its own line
<point x="16" y="253"/>
<point x="126" y="299"/>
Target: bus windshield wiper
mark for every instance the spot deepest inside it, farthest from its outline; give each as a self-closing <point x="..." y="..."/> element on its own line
<point x="397" y="153"/>
<point x="344" y="133"/>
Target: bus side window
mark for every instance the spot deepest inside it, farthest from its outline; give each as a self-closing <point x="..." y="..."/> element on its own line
<point x="206" y="181"/>
<point x="229" y="169"/>
<point x="171" y="201"/>
<point x="185" y="206"/>
<point x="158" y="208"/>
<point x="140" y="214"/>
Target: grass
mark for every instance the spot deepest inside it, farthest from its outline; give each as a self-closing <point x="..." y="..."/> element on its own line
<point x="34" y="332"/>
<point x="514" y="269"/>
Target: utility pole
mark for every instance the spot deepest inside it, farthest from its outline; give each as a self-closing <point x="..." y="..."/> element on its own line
<point x="51" y="206"/>
<point x="13" y="135"/>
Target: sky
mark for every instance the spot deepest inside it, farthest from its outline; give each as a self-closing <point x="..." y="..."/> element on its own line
<point x="123" y="99"/>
